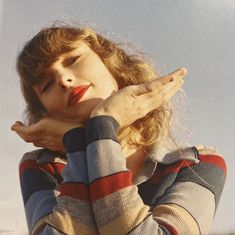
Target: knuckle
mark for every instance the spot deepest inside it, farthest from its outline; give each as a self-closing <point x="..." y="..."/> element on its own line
<point x="128" y="88"/>
<point x="27" y="140"/>
<point x="150" y="87"/>
<point x="37" y="144"/>
<point x="144" y="109"/>
<point x="159" y="89"/>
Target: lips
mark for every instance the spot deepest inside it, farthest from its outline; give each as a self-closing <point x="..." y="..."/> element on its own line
<point x="76" y="94"/>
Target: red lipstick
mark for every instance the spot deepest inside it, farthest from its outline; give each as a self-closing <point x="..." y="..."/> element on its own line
<point x="76" y="94"/>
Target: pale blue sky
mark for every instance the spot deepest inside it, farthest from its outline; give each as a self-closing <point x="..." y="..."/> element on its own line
<point x="198" y="35"/>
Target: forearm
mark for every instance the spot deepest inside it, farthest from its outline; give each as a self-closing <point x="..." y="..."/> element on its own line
<point x="117" y="206"/>
<point x="65" y="207"/>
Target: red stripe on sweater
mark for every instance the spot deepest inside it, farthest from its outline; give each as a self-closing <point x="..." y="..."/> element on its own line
<point x="58" y="167"/>
<point x="206" y="158"/>
<point x="52" y="168"/>
<point x="75" y="190"/>
<point x="110" y="184"/>
<point x="177" y="167"/>
<point x="32" y="164"/>
<point x="214" y="160"/>
<point x="160" y="173"/>
<point x="170" y="228"/>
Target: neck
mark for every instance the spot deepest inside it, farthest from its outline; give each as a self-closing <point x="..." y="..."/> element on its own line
<point x="135" y="159"/>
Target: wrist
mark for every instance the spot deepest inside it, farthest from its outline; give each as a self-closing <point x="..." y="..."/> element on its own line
<point x="95" y="113"/>
<point x="74" y="139"/>
<point x="101" y="127"/>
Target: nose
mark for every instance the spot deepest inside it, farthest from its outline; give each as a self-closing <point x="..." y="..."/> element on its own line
<point x="65" y="81"/>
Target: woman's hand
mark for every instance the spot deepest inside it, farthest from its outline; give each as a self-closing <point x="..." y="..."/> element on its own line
<point x="47" y="133"/>
<point x="134" y="102"/>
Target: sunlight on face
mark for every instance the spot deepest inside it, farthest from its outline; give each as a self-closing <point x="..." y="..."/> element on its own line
<point x="75" y="84"/>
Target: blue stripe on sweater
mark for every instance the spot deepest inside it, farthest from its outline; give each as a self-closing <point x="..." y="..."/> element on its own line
<point x="74" y="140"/>
<point x="40" y="204"/>
<point x="76" y="168"/>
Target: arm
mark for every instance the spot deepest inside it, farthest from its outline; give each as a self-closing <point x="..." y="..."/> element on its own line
<point x="141" y="98"/>
<point x="117" y="207"/>
<point x="187" y="206"/>
<point x="190" y="201"/>
<point x="52" y="208"/>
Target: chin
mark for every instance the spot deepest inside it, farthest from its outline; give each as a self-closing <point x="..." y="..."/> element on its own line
<point x="82" y="111"/>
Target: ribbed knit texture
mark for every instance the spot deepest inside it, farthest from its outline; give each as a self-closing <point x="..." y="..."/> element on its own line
<point x="93" y="192"/>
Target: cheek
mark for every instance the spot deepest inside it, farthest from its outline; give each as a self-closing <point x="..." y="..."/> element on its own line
<point x="53" y="105"/>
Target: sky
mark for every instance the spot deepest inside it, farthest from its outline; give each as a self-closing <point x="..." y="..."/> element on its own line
<point x="198" y="35"/>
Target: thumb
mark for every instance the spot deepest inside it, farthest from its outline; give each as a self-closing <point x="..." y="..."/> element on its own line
<point x="16" y="125"/>
<point x="21" y="129"/>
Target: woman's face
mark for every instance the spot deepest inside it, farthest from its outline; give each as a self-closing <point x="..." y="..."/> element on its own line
<point x="75" y="84"/>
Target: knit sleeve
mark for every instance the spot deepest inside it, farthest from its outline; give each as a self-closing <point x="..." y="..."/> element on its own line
<point x="118" y="207"/>
<point x="55" y="195"/>
<point x="190" y="202"/>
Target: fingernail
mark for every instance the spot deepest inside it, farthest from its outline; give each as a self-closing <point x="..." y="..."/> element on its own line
<point x="183" y="71"/>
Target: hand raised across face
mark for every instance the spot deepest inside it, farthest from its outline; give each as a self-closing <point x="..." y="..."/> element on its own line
<point x="134" y="102"/>
<point x="126" y="106"/>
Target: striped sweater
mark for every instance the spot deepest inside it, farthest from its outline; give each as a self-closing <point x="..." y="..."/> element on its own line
<point x="91" y="191"/>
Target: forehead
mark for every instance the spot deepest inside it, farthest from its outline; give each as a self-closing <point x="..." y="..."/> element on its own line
<point x="79" y="48"/>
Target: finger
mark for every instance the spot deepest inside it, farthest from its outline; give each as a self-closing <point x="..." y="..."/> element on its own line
<point x="21" y="128"/>
<point x="144" y="88"/>
<point x="17" y="123"/>
<point x="22" y="136"/>
<point x="174" y="76"/>
<point x="157" y="100"/>
<point x="158" y="83"/>
<point x="179" y="73"/>
<point x="159" y="91"/>
<point x="25" y="132"/>
<point x="169" y="92"/>
<point x="167" y="95"/>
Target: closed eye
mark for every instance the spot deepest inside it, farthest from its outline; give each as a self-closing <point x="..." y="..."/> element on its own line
<point x="47" y="86"/>
<point x="71" y="60"/>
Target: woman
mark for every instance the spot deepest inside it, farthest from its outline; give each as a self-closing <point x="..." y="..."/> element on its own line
<point x="110" y="113"/>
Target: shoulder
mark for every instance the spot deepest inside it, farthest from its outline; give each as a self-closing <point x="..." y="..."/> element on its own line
<point x="203" y="149"/>
<point x="32" y="155"/>
<point x="211" y="156"/>
<point x="206" y="174"/>
<point x="199" y="164"/>
<point x="43" y="156"/>
<point x="39" y="165"/>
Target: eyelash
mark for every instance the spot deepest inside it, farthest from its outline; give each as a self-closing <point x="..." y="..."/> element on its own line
<point x="73" y="60"/>
<point x="47" y="86"/>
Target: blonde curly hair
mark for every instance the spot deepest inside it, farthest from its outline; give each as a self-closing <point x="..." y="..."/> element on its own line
<point x="128" y="69"/>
